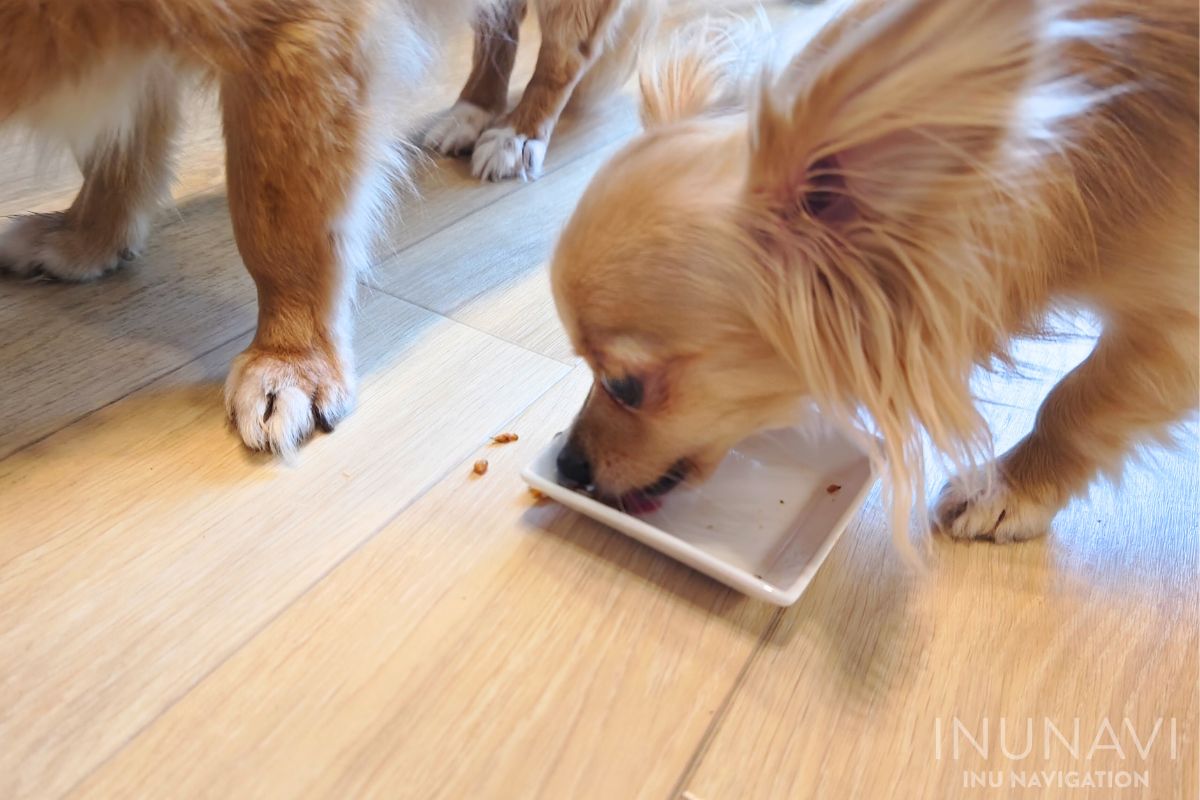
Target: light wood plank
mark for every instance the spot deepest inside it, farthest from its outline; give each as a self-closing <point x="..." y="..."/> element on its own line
<point x="1097" y="623"/>
<point x="503" y="288"/>
<point x="166" y="546"/>
<point x="70" y="349"/>
<point x="478" y="647"/>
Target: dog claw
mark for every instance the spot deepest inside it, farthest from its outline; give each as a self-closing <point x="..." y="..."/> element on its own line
<point x="324" y="424"/>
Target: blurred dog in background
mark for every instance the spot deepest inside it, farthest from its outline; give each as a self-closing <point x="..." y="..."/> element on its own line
<point x="588" y="49"/>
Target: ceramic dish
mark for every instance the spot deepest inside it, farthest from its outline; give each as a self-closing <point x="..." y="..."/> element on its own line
<point x="762" y="524"/>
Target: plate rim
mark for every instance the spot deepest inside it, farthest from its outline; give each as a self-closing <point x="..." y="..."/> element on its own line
<point x="693" y="556"/>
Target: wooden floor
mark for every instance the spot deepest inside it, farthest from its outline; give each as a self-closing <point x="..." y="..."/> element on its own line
<point x="181" y="618"/>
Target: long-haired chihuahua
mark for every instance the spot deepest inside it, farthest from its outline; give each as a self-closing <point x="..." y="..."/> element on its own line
<point x="916" y="186"/>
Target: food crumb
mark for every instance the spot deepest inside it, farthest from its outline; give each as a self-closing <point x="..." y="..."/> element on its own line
<point x="480" y="467"/>
<point x="780" y="502"/>
<point x="538" y="496"/>
<point x="832" y="488"/>
<point x="505" y="438"/>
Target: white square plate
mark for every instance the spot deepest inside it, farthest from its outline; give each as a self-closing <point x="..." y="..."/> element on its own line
<point x="762" y="524"/>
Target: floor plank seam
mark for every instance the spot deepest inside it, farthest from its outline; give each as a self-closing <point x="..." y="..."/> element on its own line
<point x="317" y="581"/>
<point x="491" y="335"/>
<point x="417" y="197"/>
<point x="142" y="385"/>
<point x="679" y="790"/>
<point x="159" y="376"/>
<point x="388" y="253"/>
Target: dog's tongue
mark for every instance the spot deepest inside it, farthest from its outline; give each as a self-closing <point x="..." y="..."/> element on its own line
<point x="641" y="503"/>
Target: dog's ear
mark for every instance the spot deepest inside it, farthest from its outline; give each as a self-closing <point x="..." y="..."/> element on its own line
<point x="894" y="110"/>
<point x="702" y="69"/>
<point x="867" y="153"/>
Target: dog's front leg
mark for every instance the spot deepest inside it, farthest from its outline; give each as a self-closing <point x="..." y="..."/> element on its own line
<point x="574" y="35"/>
<point x="1141" y="378"/>
<point x="302" y="183"/>
<point x="485" y="95"/>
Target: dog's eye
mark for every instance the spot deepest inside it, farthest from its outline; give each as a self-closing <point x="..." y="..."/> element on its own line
<point x="627" y="391"/>
<point x="826" y="198"/>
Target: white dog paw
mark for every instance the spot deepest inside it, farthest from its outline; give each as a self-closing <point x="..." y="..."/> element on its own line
<point x="970" y="509"/>
<point x="276" y="401"/>
<point x="44" y="245"/>
<point x="456" y="131"/>
<point x="502" y="153"/>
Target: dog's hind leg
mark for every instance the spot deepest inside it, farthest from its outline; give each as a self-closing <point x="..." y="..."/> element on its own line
<point x="126" y="173"/>
<point x="485" y="95"/>
<point x="1141" y="378"/>
<point x="626" y="41"/>
<point x="575" y="34"/>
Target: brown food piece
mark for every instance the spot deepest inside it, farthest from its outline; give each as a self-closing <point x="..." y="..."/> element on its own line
<point x="832" y="488"/>
<point x="480" y="466"/>
<point x="538" y="497"/>
<point x="505" y="438"/>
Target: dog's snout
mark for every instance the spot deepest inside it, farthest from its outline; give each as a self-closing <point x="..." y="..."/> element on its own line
<point x="573" y="465"/>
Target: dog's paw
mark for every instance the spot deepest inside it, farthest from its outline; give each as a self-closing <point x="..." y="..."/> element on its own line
<point x="502" y="153"/>
<point x="45" y="245"/>
<point x="973" y="509"/>
<point x="456" y="131"/>
<point x="276" y="401"/>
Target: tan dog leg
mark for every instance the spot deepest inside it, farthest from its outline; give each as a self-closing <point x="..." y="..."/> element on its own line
<point x="574" y="34"/>
<point x="302" y="191"/>
<point x="629" y="36"/>
<point x="485" y="95"/>
<point x="1129" y="390"/>
<point x="125" y="177"/>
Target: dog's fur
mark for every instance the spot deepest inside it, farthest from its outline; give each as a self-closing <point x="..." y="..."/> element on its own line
<point x="588" y="49"/>
<point x="307" y="91"/>
<point x="921" y="183"/>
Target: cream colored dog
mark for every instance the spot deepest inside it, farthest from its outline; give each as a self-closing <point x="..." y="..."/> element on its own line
<point x="922" y="182"/>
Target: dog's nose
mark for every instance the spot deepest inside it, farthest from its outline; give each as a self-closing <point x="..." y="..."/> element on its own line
<point x="573" y="465"/>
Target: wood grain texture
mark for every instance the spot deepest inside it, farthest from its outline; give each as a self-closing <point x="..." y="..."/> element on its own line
<point x="478" y="646"/>
<point x="181" y="619"/>
<point x="448" y="192"/>
<point x="503" y="287"/>
<point x="168" y="546"/>
<point x="1097" y="623"/>
<point x="70" y="349"/>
